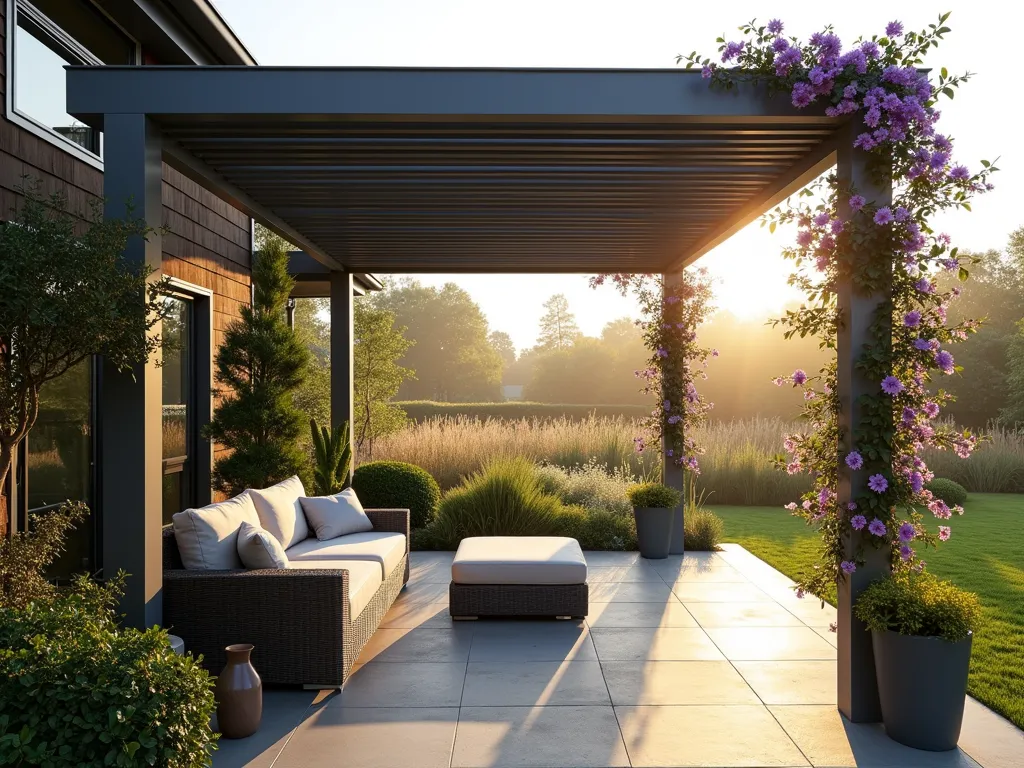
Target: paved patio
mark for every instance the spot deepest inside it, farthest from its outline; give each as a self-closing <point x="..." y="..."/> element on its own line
<point x="701" y="660"/>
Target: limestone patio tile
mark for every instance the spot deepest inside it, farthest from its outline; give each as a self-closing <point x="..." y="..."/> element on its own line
<point x="534" y="683"/>
<point x="791" y="682"/>
<point x="430" y="567"/>
<point x="830" y="637"/>
<point x="691" y="592"/>
<point x="403" y="684"/>
<point x="676" y="683"/>
<point x="538" y="737"/>
<point x="721" y="736"/>
<point x="631" y="615"/>
<point x="419" y="644"/>
<point x="604" y="574"/>
<point x="283" y="712"/>
<point x="612" y="558"/>
<point x="376" y="737"/>
<point x="423" y="592"/>
<point x="991" y="739"/>
<point x="771" y="643"/>
<point x="654" y="644"/>
<point x="706" y="576"/>
<point x="532" y="641"/>
<point x="636" y="592"/>
<point x="409" y="615"/>
<point x="760" y="614"/>
<point x="830" y="741"/>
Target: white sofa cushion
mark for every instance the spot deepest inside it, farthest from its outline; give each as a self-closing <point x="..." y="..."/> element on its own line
<point x="519" y="560"/>
<point x="364" y="579"/>
<point x="208" y="537"/>
<point x="258" y="548"/>
<point x="337" y="515"/>
<point x="385" y="549"/>
<point x="280" y="512"/>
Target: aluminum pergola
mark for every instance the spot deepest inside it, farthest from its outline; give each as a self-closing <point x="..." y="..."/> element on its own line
<point x="452" y="170"/>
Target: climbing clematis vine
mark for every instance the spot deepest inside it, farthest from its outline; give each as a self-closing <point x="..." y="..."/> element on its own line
<point x="877" y="245"/>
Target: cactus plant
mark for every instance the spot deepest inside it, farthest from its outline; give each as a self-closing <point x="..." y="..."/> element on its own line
<point x="332" y="450"/>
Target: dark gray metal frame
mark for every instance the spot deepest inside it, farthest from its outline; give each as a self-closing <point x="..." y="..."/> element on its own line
<point x="672" y="165"/>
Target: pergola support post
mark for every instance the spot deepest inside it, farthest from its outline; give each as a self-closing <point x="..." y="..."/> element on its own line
<point x="342" y="348"/>
<point x="130" y="403"/>
<point x="857" y="686"/>
<point x="672" y="473"/>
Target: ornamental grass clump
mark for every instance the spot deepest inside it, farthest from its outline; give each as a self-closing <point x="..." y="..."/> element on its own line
<point x="919" y="604"/>
<point x="589" y="485"/>
<point x="504" y="498"/>
<point x="654" y="496"/>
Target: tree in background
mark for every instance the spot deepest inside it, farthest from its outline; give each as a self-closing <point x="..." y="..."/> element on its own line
<point x="66" y="294"/>
<point x="313" y="327"/>
<point x="502" y="344"/>
<point x="378" y="376"/>
<point x="558" y="329"/>
<point x="260" y="366"/>
<point x="453" y="359"/>
<point x="1012" y="414"/>
<point x="995" y="293"/>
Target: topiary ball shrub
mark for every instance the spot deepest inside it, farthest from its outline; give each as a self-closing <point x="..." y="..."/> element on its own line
<point x="395" y="484"/>
<point x="702" y="530"/>
<point x="76" y="690"/>
<point x="949" y="491"/>
<point x="919" y="605"/>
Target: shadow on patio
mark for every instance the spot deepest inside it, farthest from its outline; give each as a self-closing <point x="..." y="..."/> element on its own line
<point x="700" y="660"/>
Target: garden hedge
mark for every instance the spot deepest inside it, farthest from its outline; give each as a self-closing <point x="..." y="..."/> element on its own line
<point x="422" y="410"/>
<point x="396" y="484"/>
<point x="949" y="491"/>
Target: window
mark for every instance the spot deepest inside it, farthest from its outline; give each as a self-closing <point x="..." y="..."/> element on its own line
<point x="179" y="406"/>
<point x="47" y="36"/>
<point x="58" y="462"/>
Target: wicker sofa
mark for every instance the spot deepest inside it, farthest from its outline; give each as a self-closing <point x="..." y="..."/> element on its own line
<point x="299" y="619"/>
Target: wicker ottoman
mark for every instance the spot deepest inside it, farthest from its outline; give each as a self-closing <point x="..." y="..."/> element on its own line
<point x="518" y="576"/>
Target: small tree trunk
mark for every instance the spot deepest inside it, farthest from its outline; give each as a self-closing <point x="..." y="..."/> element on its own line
<point x="6" y="460"/>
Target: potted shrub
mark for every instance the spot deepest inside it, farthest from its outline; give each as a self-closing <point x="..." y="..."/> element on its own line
<point x="921" y="631"/>
<point x="654" y="505"/>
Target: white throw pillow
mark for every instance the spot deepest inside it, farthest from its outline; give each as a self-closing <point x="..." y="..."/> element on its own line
<point x="259" y="548"/>
<point x="280" y="512"/>
<point x="334" y="516"/>
<point x="208" y="537"/>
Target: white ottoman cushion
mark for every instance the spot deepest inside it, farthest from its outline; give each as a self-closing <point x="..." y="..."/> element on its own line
<point x="519" y="560"/>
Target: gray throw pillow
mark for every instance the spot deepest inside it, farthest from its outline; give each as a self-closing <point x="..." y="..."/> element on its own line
<point x="333" y="516"/>
<point x="258" y="548"/>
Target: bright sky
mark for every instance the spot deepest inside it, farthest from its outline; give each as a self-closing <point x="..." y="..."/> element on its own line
<point x="984" y="119"/>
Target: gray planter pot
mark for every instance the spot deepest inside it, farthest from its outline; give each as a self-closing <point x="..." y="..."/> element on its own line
<point x="653" y="531"/>
<point x="922" y="682"/>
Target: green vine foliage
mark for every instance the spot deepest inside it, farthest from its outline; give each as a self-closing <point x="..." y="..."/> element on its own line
<point x="671" y="311"/>
<point x="882" y="248"/>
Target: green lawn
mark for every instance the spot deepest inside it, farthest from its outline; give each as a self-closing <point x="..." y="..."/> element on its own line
<point x="985" y="555"/>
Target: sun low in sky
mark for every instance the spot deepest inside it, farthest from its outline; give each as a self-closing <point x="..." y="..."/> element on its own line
<point x="749" y="272"/>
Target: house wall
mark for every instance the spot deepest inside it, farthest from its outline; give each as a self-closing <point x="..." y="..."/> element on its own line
<point x="208" y="241"/>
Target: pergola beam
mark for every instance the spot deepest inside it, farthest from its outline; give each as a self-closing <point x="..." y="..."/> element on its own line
<point x="258" y="94"/>
<point x="795" y="178"/>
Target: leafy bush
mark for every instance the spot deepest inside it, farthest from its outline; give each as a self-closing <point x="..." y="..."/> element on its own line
<point x="589" y="485"/>
<point x="503" y="499"/>
<point x="702" y="530"/>
<point x="598" y="529"/>
<point x="919" y="604"/>
<point x="77" y="691"/>
<point x="655" y="496"/>
<point x="388" y="484"/>
<point x="25" y="556"/>
<point x="423" y="410"/>
<point x="949" y="491"/>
